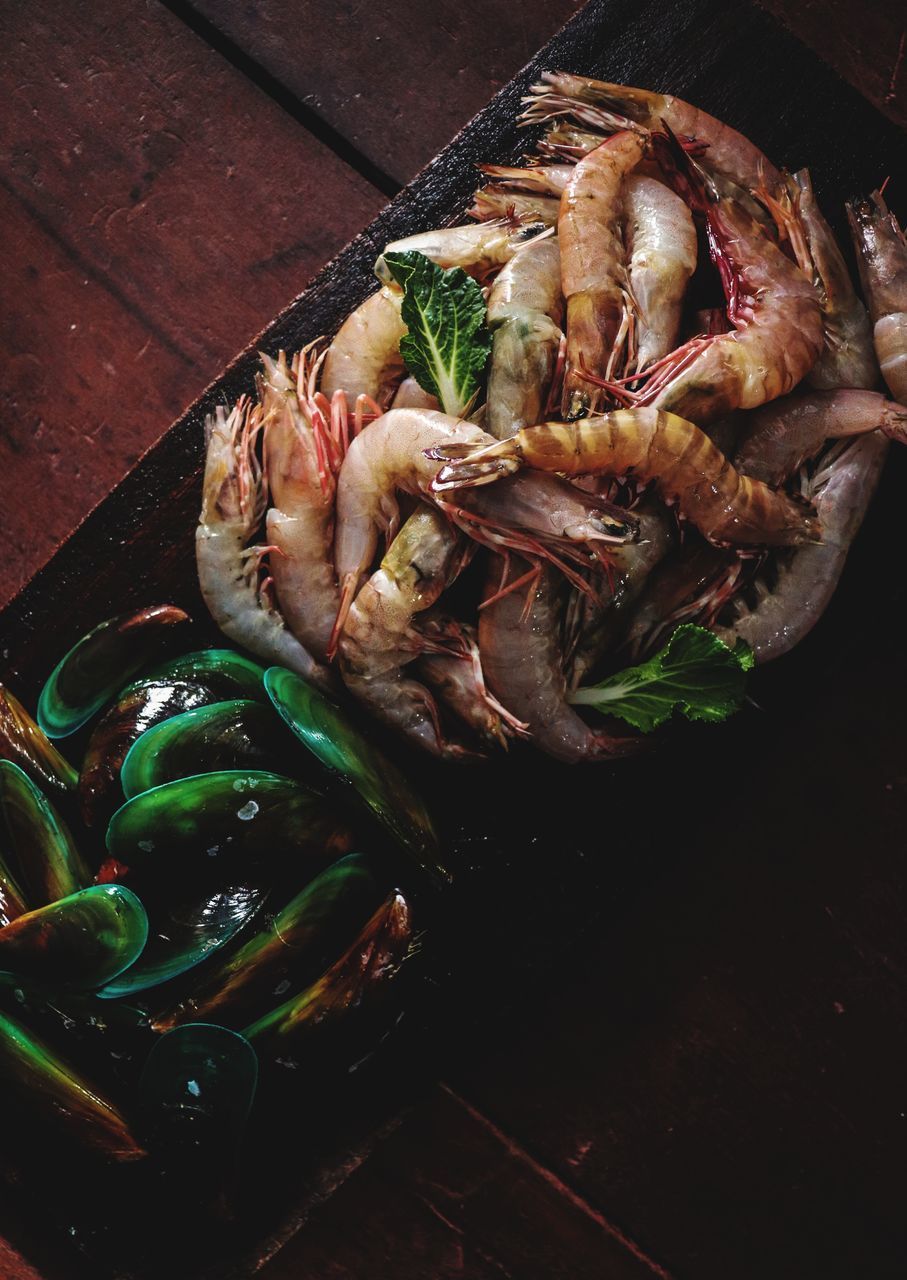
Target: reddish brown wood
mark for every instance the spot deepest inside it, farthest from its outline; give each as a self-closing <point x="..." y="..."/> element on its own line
<point x="865" y="43"/>
<point x="157" y="209"/>
<point x="397" y="78"/>
<point x="440" y="1197"/>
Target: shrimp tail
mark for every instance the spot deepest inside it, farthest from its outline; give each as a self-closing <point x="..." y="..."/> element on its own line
<point x="473" y="466"/>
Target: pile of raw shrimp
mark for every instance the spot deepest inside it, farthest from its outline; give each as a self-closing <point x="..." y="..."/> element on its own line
<point x="682" y="420"/>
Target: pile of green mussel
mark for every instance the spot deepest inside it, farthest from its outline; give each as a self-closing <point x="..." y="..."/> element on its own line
<point x="213" y="894"/>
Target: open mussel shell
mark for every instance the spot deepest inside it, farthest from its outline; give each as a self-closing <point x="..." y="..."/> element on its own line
<point x="98" y="666"/>
<point x="138" y="708"/>
<point x="340" y="1012"/>
<point x="238" y="818"/>
<point x="186" y="926"/>
<point x="229" y="674"/>
<point x="47" y="863"/>
<point x="197" y="1088"/>
<point x="22" y="741"/>
<point x="347" y="753"/>
<point x="223" y="735"/>
<point x="80" y="942"/>
<point x="47" y="1087"/>
<point x="292" y="949"/>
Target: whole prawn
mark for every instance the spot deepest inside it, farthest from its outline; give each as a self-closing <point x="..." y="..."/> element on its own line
<point x="592" y="265"/>
<point x="523" y="659"/>
<point x="479" y="249"/>
<point x="524" y="312"/>
<point x="234" y="499"/>
<point x="661" y="257"/>
<point x="379" y="638"/>
<point x="782" y="435"/>
<point x="677" y="456"/>
<point x="806" y="579"/>
<point x="882" y="259"/>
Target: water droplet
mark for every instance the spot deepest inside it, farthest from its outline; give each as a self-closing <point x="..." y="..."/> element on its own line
<point x="248" y="811"/>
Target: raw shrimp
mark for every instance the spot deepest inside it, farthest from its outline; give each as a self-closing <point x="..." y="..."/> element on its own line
<point x="631" y="568"/>
<point x="523" y="661"/>
<point x="686" y="467"/>
<point x="300" y="523"/>
<point x="612" y="107"/>
<point x="480" y="249"/>
<point x="459" y="681"/>
<point x="524" y="311"/>
<point x="494" y="201"/>
<point x="848" y="358"/>
<point x="882" y="258"/>
<point x="774" y="308"/>
<point x="692" y="585"/>
<point x="390" y="454"/>
<point x="233" y="504"/>
<point x="379" y="638"/>
<point x="661" y="257"/>
<point x="410" y="395"/>
<point x="806" y="579"/>
<point x="364" y="358"/>
<point x="783" y="434"/>
<point x="592" y="265"/>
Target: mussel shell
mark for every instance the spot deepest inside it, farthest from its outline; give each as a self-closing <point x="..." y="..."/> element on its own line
<point x="197" y="1088"/>
<point x="185" y="927"/>
<point x="293" y="948"/>
<point x="12" y="899"/>
<point x="106" y="1037"/>
<point x="100" y="664"/>
<point x="22" y="741"/>
<point x="34" y="1077"/>
<point x="241" y="734"/>
<point x="80" y="942"/>
<point x="320" y="1019"/>
<point x="347" y="754"/>
<point x="47" y="862"/>
<point x="238" y="818"/>
<point x="229" y="674"/>
<point x="141" y="706"/>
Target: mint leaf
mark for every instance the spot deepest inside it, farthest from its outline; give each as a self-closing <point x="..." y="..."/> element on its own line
<point x="695" y="673"/>
<point x="448" y="343"/>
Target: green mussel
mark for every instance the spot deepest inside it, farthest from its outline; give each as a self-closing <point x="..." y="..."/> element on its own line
<point x="98" y="666"/>
<point x="238" y="818"/>
<point x="293" y="948"/>
<point x="186" y="925"/>
<point x="229" y="674"/>
<point x="22" y="741"/>
<point x="138" y="708"/>
<point x="223" y="735"/>
<point x="12" y="899"/>
<point x="79" y="942"/>
<point x="34" y="1078"/>
<point x="360" y="983"/>
<point x="348" y="755"/>
<point x="197" y="1088"/>
<point x="47" y="863"/>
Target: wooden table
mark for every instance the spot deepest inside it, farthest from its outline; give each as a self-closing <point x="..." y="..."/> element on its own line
<point x="171" y="177"/>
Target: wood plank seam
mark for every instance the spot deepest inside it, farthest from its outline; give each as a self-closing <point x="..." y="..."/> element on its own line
<point x="294" y="106"/>
<point x="557" y="1184"/>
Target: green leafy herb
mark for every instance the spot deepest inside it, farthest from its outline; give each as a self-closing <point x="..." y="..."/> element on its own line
<point x="447" y="344"/>
<point x="695" y="673"/>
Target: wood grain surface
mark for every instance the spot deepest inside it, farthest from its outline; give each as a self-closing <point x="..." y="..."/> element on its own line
<point x="673" y="1041"/>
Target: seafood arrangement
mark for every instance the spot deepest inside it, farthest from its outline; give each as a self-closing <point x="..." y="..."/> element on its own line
<point x="616" y="434"/>
<point x="570" y="469"/>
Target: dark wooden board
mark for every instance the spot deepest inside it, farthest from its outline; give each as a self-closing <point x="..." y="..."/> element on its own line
<point x="158" y="209"/>
<point x="644" y="953"/>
